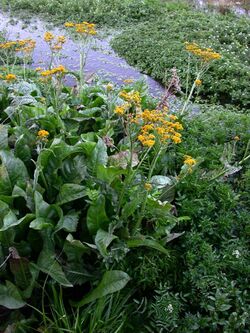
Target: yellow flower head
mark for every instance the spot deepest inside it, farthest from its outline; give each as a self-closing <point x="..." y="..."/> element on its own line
<point x="69" y="24"/>
<point x="43" y="134"/>
<point x="57" y="70"/>
<point x="48" y="37"/>
<point x="10" y="77"/>
<point x="131" y="97"/>
<point x="148" y="186"/>
<point x="121" y="109"/>
<point x="236" y="138"/>
<point x="190" y="161"/>
<point x="198" y="82"/>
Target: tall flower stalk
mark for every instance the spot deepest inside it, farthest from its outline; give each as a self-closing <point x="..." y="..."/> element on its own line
<point x="84" y="32"/>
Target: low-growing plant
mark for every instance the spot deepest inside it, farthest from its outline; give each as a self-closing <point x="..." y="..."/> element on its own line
<point x="158" y="47"/>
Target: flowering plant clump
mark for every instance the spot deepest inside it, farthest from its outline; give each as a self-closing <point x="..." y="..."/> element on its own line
<point x="158" y="125"/>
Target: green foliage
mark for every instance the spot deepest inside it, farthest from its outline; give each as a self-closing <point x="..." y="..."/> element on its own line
<point x="156" y="47"/>
<point x="113" y="12"/>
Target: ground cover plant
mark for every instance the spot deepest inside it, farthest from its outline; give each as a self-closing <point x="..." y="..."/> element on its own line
<point x="111" y="13"/>
<point x="156" y="48"/>
<point x="116" y="214"/>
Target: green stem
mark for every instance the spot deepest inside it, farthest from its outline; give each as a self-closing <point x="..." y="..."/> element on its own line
<point x="142" y="213"/>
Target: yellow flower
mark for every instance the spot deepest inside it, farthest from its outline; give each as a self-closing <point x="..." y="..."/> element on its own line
<point x="10" y="77"/>
<point x="206" y="54"/>
<point x="176" y="139"/>
<point x="43" y="134"/>
<point x="132" y="97"/>
<point x="48" y="36"/>
<point x="189" y="160"/>
<point x="128" y="81"/>
<point x="148" y="186"/>
<point x="237" y="138"/>
<point x="57" y="70"/>
<point x="198" y="82"/>
<point x="38" y="69"/>
<point x="121" y="109"/>
<point x="69" y="24"/>
<point x="61" y="39"/>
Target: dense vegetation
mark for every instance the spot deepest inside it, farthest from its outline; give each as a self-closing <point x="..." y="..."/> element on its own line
<point x="111" y="13"/>
<point x="157" y="47"/>
<point x="117" y="214"/>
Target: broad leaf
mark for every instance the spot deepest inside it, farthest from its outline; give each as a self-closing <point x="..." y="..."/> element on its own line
<point x="108" y="174"/>
<point x="49" y="265"/>
<point x="137" y="242"/>
<point x="70" y="192"/>
<point x="10" y="297"/>
<point x="112" y="281"/>
<point x="96" y="215"/>
<point x="102" y="240"/>
<point x="68" y="222"/>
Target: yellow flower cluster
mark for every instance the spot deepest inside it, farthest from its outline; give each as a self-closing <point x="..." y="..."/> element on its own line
<point x="8" y="45"/>
<point x="10" y="77"/>
<point x="24" y="45"/>
<point x="55" y="42"/>
<point x="121" y="109"/>
<point x="43" y="135"/>
<point x="157" y="125"/>
<point x="206" y="54"/>
<point x="84" y="28"/>
<point x="57" y="70"/>
<point x="131" y="97"/>
<point x="189" y="160"/>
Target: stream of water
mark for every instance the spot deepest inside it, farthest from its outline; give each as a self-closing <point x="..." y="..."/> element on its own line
<point x="101" y="59"/>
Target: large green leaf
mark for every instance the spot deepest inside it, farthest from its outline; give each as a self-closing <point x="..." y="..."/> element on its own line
<point x="48" y="264"/>
<point x="15" y="167"/>
<point x="70" y="192"/>
<point x="5" y="183"/>
<point x="137" y="242"/>
<point x="10" y="220"/>
<point x="102" y="240"/>
<point x="108" y="174"/>
<point x="41" y="223"/>
<point x="10" y="296"/>
<point x="99" y="155"/>
<point x="112" y="281"/>
<point x="96" y="215"/>
<point x="43" y="209"/>
<point x="68" y="222"/>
